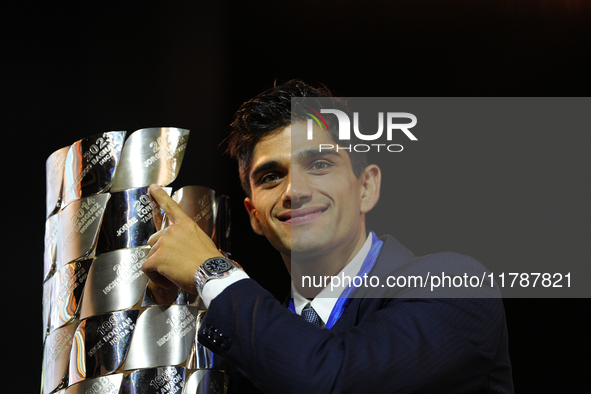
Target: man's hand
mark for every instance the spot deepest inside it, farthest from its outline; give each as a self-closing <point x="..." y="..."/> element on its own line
<point x="179" y="249"/>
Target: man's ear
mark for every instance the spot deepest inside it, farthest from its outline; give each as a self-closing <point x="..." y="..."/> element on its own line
<point x="371" y="181"/>
<point x="254" y="219"/>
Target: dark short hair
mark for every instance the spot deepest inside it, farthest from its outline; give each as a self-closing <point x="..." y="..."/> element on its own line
<point x="270" y="112"/>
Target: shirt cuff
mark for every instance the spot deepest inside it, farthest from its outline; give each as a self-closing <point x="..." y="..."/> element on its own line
<point x="213" y="288"/>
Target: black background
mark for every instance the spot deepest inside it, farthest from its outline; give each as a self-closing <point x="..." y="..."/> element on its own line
<point x="72" y="71"/>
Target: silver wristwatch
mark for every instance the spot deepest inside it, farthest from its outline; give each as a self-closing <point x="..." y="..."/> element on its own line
<point x="214" y="268"/>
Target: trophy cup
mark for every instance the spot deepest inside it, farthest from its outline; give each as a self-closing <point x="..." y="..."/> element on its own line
<point x="106" y="328"/>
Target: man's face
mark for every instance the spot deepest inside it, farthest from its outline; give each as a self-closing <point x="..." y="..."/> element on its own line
<point x="304" y="201"/>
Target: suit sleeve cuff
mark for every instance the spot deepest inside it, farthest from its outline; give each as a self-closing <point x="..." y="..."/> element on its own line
<point x="213" y="288"/>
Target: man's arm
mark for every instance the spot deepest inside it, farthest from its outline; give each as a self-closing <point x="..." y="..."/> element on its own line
<point x="404" y="345"/>
<point x="400" y="345"/>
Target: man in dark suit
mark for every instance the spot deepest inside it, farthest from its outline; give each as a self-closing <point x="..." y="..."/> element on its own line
<point x="311" y="206"/>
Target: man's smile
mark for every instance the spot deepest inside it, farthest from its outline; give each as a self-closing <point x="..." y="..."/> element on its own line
<point x="301" y="215"/>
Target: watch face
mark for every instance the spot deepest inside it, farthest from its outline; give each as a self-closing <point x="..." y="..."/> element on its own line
<point x="216" y="265"/>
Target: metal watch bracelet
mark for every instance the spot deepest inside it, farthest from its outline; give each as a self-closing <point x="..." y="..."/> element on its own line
<point x="203" y="275"/>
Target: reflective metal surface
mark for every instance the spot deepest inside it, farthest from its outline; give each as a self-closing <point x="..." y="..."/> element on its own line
<point x="210" y="212"/>
<point x="109" y="384"/>
<point x="68" y="285"/>
<point x="99" y="219"/>
<point x="128" y="220"/>
<point x="161" y="380"/>
<point x="200" y="204"/>
<point x="115" y="281"/>
<point x="50" y="248"/>
<point x="101" y="344"/>
<point x="221" y="236"/>
<point x="54" y="176"/>
<point x="206" y="381"/>
<point x="55" y="358"/>
<point x="164" y="336"/>
<point x="155" y="296"/>
<point x="90" y="165"/>
<point x="78" y="225"/>
<point x="46" y="304"/>
<point x="152" y="155"/>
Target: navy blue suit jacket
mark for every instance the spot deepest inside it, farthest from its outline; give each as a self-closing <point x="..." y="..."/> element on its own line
<point x="396" y="341"/>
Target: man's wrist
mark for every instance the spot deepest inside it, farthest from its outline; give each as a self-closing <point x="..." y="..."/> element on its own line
<point x="214" y="268"/>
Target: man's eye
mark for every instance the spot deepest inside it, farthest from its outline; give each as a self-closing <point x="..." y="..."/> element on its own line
<point x="320" y="165"/>
<point x="269" y="178"/>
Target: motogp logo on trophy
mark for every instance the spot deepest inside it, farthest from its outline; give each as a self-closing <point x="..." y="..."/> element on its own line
<point x="344" y="129"/>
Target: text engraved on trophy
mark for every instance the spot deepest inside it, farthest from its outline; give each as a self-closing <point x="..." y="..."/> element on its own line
<point x="111" y="332"/>
<point x="181" y="323"/>
<point x="167" y="147"/>
<point x="101" y="344"/>
<point x="67" y="292"/>
<point x="89" y="211"/>
<point x="144" y="211"/>
<point x="72" y="277"/>
<point x="55" y="357"/>
<point x="152" y="155"/>
<point x="99" y="153"/>
<point x="55" y="164"/>
<point x="102" y="385"/>
<point x="115" y="281"/>
<point x="164" y="336"/>
<point x="128" y="270"/>
<point x="170" y="381"/>
<point x="200" y="204"/>
<point x="96" y="155"/>
<point x="157" y="380"/>
<point x="62" y="341"/>
<point x="205" y="211"/>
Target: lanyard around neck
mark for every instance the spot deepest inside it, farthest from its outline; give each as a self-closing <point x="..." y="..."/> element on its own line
<point x="344" y="300"/>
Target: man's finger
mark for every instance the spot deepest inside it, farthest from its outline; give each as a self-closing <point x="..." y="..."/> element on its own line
<point x="173" y="211"/>
<point x="155" y="237"/>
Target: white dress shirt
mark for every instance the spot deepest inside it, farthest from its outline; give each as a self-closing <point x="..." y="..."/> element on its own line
<point x="325" y="301"/>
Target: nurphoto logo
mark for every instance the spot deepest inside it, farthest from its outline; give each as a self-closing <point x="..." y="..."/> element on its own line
<point x="344" y="129"/>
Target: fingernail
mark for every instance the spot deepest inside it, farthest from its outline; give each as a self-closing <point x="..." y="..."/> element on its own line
<point x="155" y="187"/>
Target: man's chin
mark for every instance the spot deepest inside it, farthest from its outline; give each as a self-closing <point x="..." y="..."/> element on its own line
<point x="306" y="246"/>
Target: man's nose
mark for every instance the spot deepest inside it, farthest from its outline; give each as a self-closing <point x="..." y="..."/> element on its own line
<point x="297" y="191"/>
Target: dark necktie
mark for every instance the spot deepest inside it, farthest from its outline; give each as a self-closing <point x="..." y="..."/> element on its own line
<point x="310" y="315"/>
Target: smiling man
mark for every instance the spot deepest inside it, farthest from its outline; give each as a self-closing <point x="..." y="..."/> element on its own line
<point x="311" y="206"/>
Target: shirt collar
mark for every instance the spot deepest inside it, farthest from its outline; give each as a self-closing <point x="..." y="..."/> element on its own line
<point x="323" y="305"/>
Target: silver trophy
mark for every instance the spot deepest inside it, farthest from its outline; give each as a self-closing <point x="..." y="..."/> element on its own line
<point x="106" y="328"/>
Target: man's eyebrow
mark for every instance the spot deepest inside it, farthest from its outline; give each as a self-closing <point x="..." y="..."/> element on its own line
<point x="314" y="153"/>
<point x="268" y="165"/>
